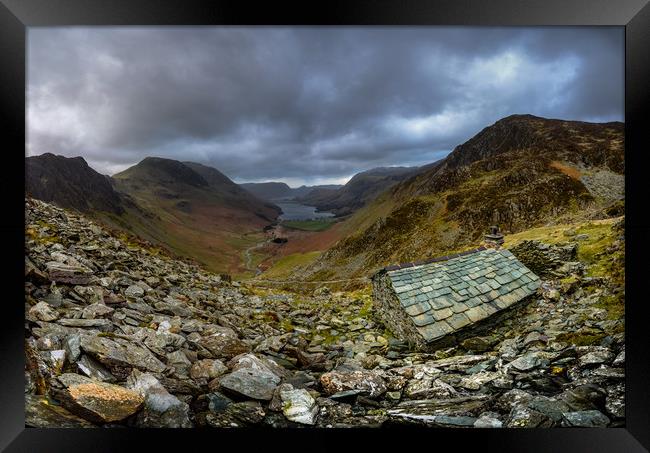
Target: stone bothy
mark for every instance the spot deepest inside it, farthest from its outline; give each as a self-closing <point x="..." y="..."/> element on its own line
<point x="442" y="300"/>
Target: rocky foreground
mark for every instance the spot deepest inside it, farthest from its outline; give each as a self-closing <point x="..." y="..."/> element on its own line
<point x="119" y="334"/>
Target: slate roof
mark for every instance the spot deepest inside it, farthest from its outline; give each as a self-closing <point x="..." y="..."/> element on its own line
<point x="446" y="294"/>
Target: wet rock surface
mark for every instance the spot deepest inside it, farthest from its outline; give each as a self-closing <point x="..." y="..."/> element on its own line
<point x="120" y="334"/>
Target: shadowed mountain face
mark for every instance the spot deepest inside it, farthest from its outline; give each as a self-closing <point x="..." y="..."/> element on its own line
<point x="521" y="172"/>
<point x="190" y="185"/>
<point x="359" y="191"/>
<point x="70" y="183"/>
<point x="233" y="193"/>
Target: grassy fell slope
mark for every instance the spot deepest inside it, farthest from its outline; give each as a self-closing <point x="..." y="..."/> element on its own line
<point x="519" y="173"/>
<point x="197" y="215"/>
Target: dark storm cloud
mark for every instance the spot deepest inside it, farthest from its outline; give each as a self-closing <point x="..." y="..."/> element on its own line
<point x="305" y="104"/>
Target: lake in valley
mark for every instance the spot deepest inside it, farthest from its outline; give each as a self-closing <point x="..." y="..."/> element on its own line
<point x="292" y="210"/>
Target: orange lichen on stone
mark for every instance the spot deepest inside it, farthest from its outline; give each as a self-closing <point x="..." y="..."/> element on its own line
<point x="106" y="393"/>
<point x="571" y="172"/>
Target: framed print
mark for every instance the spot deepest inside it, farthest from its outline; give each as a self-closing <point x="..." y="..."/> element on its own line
<point x="312" y="226"/>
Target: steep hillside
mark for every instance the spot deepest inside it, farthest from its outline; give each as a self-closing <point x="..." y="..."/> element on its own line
<point x="233" y="193"/>
<point x="201" y="213"/>
<point x="363" y="188"/>
<point x="521" y="172"/>
<point x="70" y="183"/>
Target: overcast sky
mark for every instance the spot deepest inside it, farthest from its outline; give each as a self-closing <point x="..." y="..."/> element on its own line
<point x="305" y="105"/>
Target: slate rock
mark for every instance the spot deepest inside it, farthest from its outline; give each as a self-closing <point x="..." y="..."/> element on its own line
<point x="223" y="343"/>
<point x="488" y="420"/>
<point x="250" y="383"/>
<point x="39" y="413"/>
<point x="298" y="405"/>
<point x="120" y="357"/>
<point x="525" y="417"/>
<point x="43" y="312"/>
<point x="207" y="369"/>
<point x="596" y="358"/>
<point x="370" y="382"/>
<point x="585" y="419"/>
<point x="161" y="409"/>
<point x="95" y="370"/>
<point x="103" y="325"/>
<point x="527" y="362"/>
<point x="70" y="274"/>
<point x="134" y="291"/>
<point x="96" y="401"/>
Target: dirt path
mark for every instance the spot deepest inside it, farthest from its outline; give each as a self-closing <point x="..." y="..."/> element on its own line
<point x="248" y="257"/>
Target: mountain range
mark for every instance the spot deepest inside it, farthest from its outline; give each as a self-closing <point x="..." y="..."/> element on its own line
<point x="281" y="191"/>
<point x="522" y="171"/>
<point x="191" y="209"/>
<point x="361" y="189"/>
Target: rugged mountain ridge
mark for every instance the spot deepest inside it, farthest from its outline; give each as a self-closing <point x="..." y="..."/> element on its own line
<point x="521" y="172"/>
<point x="70" y="183"/>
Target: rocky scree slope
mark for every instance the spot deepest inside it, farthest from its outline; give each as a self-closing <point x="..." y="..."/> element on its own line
<point x="523" y="171"/>
<point x="118" y="334"/>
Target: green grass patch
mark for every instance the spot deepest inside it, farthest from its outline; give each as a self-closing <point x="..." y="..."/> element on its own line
<point x="285" y="265"/>
<point x="309" y="225"/>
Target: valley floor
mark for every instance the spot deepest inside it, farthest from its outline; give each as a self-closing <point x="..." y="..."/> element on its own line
<point x="129" y="336"/>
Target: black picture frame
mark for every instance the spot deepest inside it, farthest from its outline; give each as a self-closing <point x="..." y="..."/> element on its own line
<point x="634" y="15"/>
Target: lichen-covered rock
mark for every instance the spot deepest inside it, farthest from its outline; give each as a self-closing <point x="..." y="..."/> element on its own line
<point x="525" y="417"/>
<point x="96" y="401"/>
<point x="428" y="388"/>
<point x="134" y="291"/>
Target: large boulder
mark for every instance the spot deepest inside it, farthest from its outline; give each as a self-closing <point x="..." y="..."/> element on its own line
<point x="120" y="356"/>
<point x="223" y="343"/>
<point x="250" y="383"/>
<point x="96" y="401"/>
